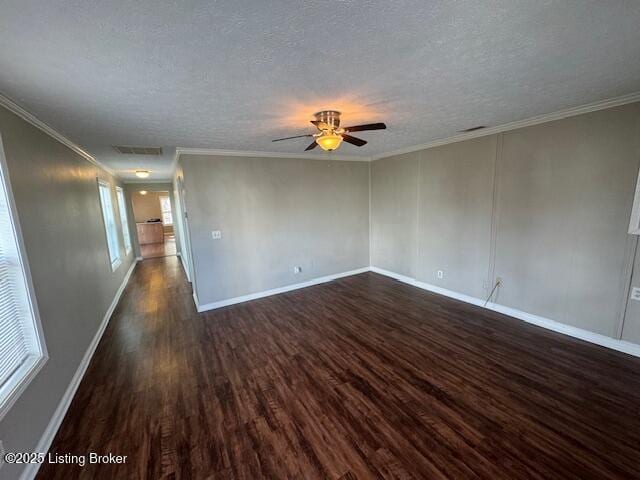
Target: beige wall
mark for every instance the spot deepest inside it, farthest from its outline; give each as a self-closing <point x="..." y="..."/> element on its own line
<point x="274" y="214"/>
<point x="56" y="195"/>
<point x="146" y="206"/>
<point x="545" y="207"/>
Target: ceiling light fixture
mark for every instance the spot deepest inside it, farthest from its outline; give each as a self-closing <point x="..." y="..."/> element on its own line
<point x="143" y="192"/>
<point x="330" y="134"/>
<point x="329" y="141"/>
<point x="142" y="173"/>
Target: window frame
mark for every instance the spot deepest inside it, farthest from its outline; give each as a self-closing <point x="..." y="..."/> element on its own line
<point x="118" y="260"/>
<point x="634" y="221"/>
<point x="11" y="390"/>
<point x="124" y="220"/>
<point x="162" y="211"/>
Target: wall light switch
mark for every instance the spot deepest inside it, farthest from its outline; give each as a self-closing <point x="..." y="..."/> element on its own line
<point x="216" y="234"/>
<point x="635" y="293"/>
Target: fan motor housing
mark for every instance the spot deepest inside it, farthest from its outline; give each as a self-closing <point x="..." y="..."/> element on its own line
<point x="330" y="117"/>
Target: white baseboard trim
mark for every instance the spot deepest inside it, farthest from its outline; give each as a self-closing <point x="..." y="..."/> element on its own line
<point x="186" y="270"/>
<point x="275" y="291"/>
<point x="586" y="335"/>
<point x="49" y="434"/>
<point x="195" y="300"/>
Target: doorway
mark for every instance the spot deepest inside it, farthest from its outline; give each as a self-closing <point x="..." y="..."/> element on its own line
<point x="154" y="223"/>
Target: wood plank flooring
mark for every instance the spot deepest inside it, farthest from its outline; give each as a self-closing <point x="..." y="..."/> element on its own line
<point x="164" y="249"/>
<point x="364" y="377"/>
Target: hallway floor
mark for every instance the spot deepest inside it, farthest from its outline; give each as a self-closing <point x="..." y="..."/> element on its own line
<point x="363" y="377"/>
<point x="154" y="250"/>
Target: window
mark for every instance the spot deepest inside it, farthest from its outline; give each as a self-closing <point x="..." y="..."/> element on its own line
<point x="123" y="220"/>
<point x="109" y="224"/>
<point x="165" y="206"/>
<point x="22" y="349"/>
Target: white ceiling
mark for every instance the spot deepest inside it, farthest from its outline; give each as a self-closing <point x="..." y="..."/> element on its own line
<point x="235" y="74"/>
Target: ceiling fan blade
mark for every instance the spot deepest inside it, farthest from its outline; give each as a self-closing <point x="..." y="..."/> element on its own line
<point x="368" y="126"/>
<point x="358" y="142"/>
<point x="321" y="125"/>
<point x="311" y="146"/>
<point x="289" y="138"/>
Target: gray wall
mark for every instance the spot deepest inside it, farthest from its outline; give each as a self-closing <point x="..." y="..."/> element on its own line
<point x="544" y="207"/>
<point x="274" y="214"/>
<point x="631" y="327"/>
<point x="454" y="214"/>
<point x="565" y="193"/>
<point x="56" y="196"/>
<point x="394" y="195"/>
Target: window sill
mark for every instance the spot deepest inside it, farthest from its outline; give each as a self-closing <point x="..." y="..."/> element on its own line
<point x="18" y="382"/>
<point x="115" y="265"/>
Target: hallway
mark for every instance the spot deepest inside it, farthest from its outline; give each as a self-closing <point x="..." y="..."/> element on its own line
<point x="363" y="377"/>
<point x="155" y="250"/>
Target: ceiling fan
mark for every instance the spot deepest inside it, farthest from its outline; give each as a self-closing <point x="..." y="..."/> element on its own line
<point x="330" y="134"/>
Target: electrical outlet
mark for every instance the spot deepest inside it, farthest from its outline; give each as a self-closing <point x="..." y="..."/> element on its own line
<point x="297" y="270"/>
<point x="499" y="280"/>
<point x="216" y="234"/>
<point x="635" y="293"/>
<point x="440" y="274"/>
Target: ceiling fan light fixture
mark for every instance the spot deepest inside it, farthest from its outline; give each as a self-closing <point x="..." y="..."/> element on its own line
<point x="143" y="192"/>
<point x="142" y="173"/>
<point x="329" y="141"/>
<point x="330" y="134"/>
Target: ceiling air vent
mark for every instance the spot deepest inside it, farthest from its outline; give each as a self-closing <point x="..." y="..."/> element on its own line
<point x="472" y="129"/>
<point x="138" y="150"/>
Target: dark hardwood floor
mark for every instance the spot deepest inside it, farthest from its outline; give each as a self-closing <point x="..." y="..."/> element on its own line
<point x="364" y="377"/>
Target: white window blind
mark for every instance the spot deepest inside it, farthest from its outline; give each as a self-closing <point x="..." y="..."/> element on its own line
<point x="124" y="221"/>
<point x="109" y="224"/>
<point x="21" y="348"/>
<point x="165" y="207"/>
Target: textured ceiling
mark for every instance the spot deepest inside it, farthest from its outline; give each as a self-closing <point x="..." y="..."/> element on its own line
<point x="235" y="74"/>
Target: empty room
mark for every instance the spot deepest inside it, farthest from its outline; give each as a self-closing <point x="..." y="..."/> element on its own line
<point x="319" y="239"/>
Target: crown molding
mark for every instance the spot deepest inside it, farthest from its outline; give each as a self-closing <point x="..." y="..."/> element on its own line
<point x="538" y="119"/>
<point x="174" y="163"/>
<point x="243" y="153"/>
<point x="547" y="117"/>
<point x="133" y="181"/>
<point x="33" y="120"/>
